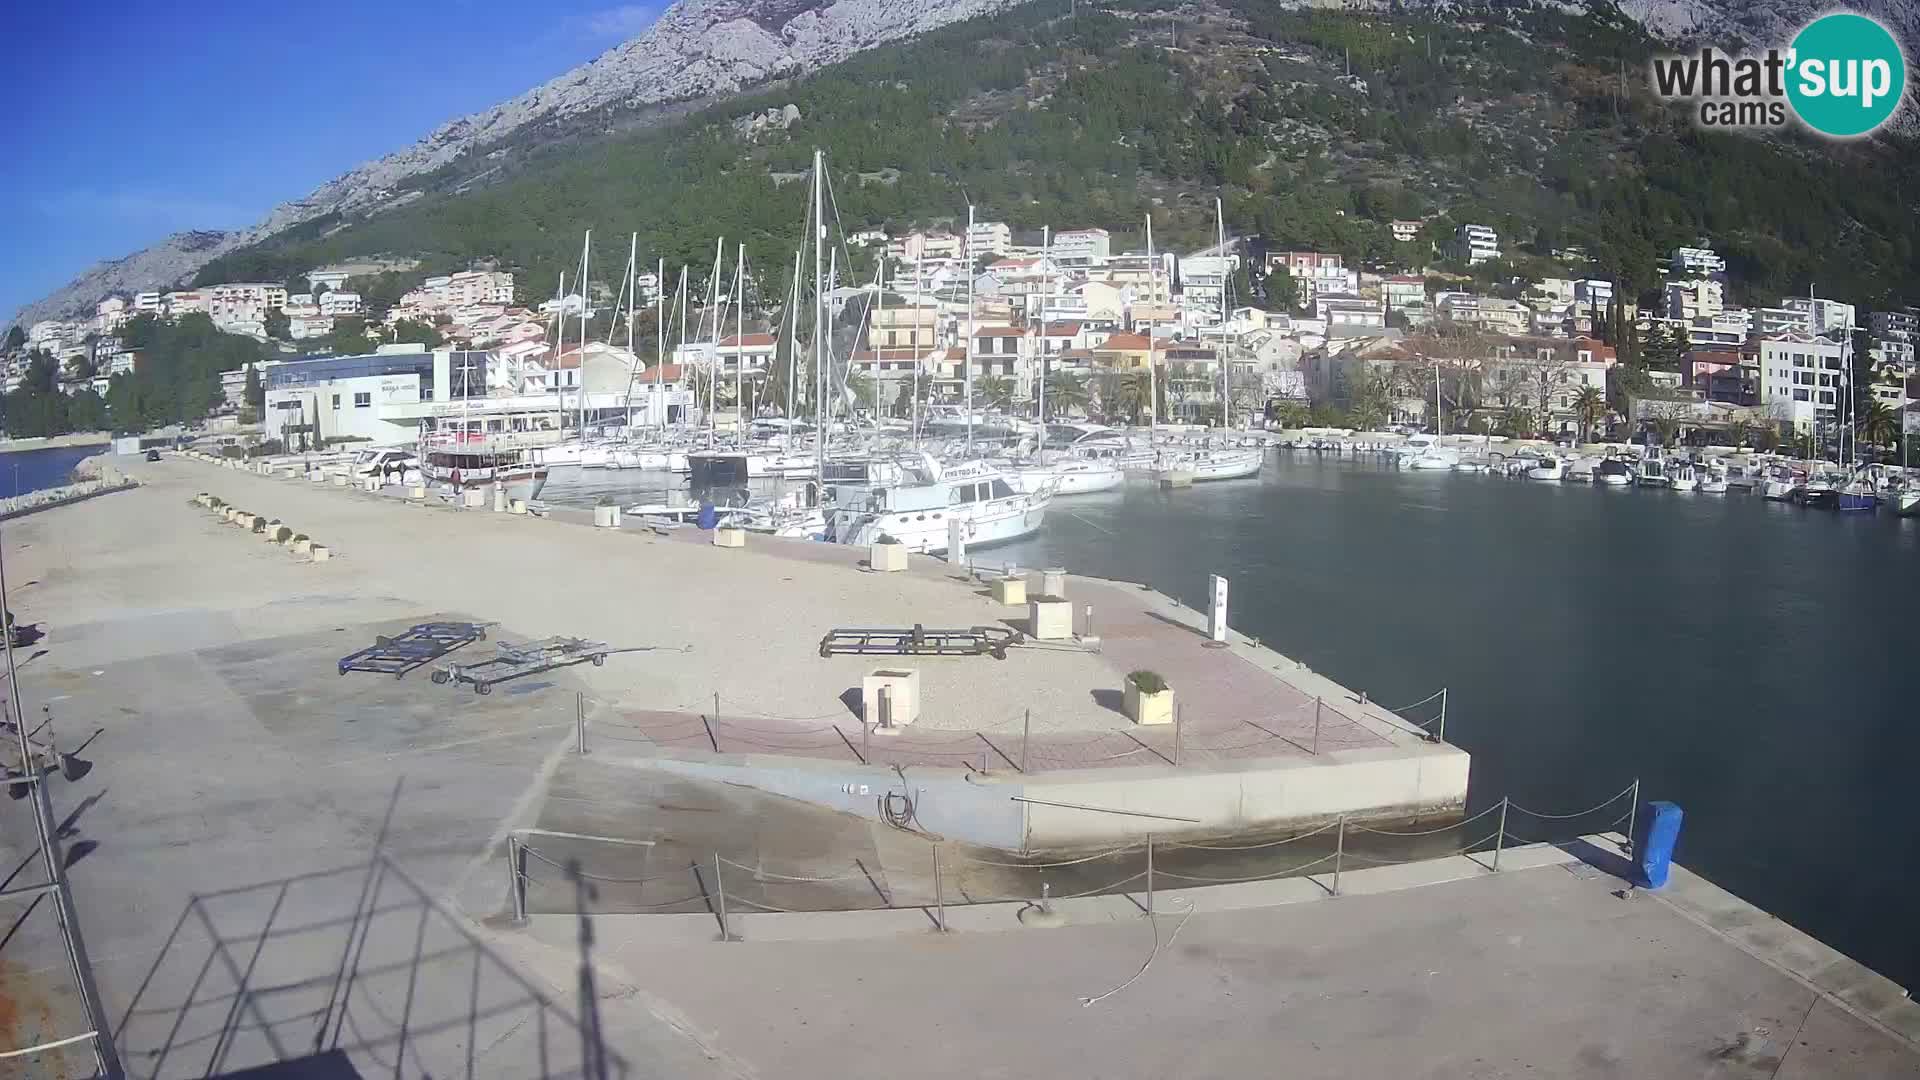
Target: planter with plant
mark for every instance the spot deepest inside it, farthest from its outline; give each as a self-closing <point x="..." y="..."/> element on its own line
<point x="887" y="555"/>
<point x="1149" y="698"/>
<point x="1049" y="618"/>
<point x="606" y="512"/>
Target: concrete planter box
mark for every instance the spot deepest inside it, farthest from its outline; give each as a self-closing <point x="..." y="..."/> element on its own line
<point x="499" y="500"/>
<point x="370" y="483"/>
<point x="1149" y="708"/>
<point x="1053" y="582"/>
<point x="519" y="506"/>
<point x="317" y="476"/>
<point x="887" y="558"/>
<point x="1011" y="591"/>
<point x="730" y="538"/>
<point x="339" y="479"/>
<point x="902" y="687"/>
<point x="604" y="517"/>
<point x="1049" y="618"/>
<point x="417" y="491"/>
<point x="473" y="499"/>
<point x="303" y="547"/>
<point x="321" y="553"/>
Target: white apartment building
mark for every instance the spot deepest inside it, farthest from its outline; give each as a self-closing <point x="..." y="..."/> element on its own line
<point x="1729" y="328"/>
<point x="474" y="287"/>
<point x="1082" y="247"/>
<point x="867" y="238"/>
<point x="1800" y="378"/>
<point x="1404" y="292"/>
<point x="1405" y="231"/>
<point x="1825" y="316"/>
<point x="1694" y="298"/>
<point x="186" y="302"/>
<point x="1503" y="316"/>
<point x="1476" y="244"/>
<point x="1593" y="293"/>
<point x="1776" y="321"/>
<point x="149" y="302"/>
<point x="327" y="279"/>
<point x="986" y="238"/>
<point x="1696" y="262"/>
<point x="339" y="302"/>
<point x="1893" y="355"/>
<point x="244" y="301"/>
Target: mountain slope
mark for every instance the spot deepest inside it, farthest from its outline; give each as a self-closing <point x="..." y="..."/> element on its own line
<point x="698" y="49"/>
<point x="703" y="50"/>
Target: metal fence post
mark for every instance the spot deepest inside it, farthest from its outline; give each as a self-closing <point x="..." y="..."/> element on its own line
<point x="1500" y="838"/>
<point x="1149" y="875"/>
<point x="1316" y="725"/>
<point x="517" y="866"/>
<point x="939" y="892"/>
<point x="1026" y="735"/>
<point x="1176" y="732"/>
<point x="1633" y="814"/>
<point x="580" y="720"/>
<point x="1339" y="853"/>
<point x="720" y="890"/>
<point x="866" y="734"/>
<point x="1443" y="714"/>
<point x="716" y="706"/>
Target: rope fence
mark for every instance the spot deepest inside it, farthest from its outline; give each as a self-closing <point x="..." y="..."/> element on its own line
<point x="1324" y="853"/>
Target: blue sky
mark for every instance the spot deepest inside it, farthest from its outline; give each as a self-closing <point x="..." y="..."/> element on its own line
<point x="125" y="125"/>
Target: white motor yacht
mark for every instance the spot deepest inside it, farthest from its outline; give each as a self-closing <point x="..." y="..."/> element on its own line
<point x="1549" y="468"/>
<point x="1681" y="475"/>
<point x="1581" y="469"/>
<point x="1651" y="473"/>
<point x="1715" y="482"/>
<point x="919" y="512"/>
<point x="1613" y="472"/>
<point x="1073" y="476"/>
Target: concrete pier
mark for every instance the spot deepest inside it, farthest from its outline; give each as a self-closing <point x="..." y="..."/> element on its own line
<point x="240" y="786"/>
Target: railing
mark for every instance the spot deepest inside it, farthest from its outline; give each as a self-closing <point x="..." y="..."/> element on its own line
<point x="723" y="886"/>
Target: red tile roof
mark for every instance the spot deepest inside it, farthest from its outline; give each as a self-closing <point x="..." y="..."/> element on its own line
<point x="752" y="341"/>
<point x="1123" y="343"/>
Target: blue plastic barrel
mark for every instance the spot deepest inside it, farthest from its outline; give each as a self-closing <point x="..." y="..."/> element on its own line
<point x="1653" y="842"/>
<point x="709" y="517"/>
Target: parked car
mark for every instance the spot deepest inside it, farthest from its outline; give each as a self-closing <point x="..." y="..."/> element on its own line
<point x="153" y="455"/>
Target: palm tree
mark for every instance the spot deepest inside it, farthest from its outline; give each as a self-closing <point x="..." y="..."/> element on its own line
<point x="1766" y="437"/>
<point x="860" y="386"/>
<point x="1518" y="421"/>
<point x="1877" y="425"/>
<point x="1066" y="391"/>
<point x="1291" y="414"/>
<point x="994" y="390"/>
<point x="1130" y="396"/>
<point x="1590" y="405"/>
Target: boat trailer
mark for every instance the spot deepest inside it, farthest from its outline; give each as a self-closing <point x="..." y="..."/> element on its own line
<point x="514" y="661"/>
<point x="420" y="644"/>
<point x="918" y="640"/>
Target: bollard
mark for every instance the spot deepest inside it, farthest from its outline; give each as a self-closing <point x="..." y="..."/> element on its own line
<point x="1500" y="838"/>
<point x="1316" y="726"/>
<point x="580" y="719"/>
<point x="956" y="541"/>
<point x="1149" y="875"/>
<point x="939" y="894"/>
<point x="517" y="866"/>
<point x="1217" y="613"/>
<point x="1089" y="623"/>
<point x="1339" y="853"/>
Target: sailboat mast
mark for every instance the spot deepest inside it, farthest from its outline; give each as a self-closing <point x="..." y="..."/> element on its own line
<point x="740" y="343"/>
<point x="966" y="260"/>
<point x="1226" y="275"/>
<point x="586" y="252"/>
<point x="633" y="306"/>
<point x="660" y="339"/>
<point x="819" y="322"/>
<point x="713" y="356"/>
<point x="1046" y="267"/>
<point x="793" y="346"/>
<point x="880" y="298"/>
<point x="1153" y="376"/>
<point x="913" y="428"/>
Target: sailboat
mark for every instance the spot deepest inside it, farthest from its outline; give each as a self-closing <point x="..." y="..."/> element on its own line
<point x="1856" y="493"/>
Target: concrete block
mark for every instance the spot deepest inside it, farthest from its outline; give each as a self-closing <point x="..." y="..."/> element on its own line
<point x="1049" y="618"/>
<point x="317" y="476"/>
<point x="517" y="506"/>
<point x="1149" y="708"/>
<point x="228" y="513"/>
<point x="1053" y="582"/>
<point x="604" y="517"/>
<point x="474" y="498"/>
<point x="370" y="483"/>
<point x="302" y="546"/>
<point x="321" y="553"/>
<point x="339" y="479"/>
<point x="730" y="537"/>
<point x="1011" y="591"/>
<point x="887" y="558"/>
<point x="902" y="686"/>
<point x="417" y="491"/>
<point x="500" y="499"/>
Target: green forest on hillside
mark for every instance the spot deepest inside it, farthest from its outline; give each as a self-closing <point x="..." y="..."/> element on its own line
<point x="1530" y="121"/>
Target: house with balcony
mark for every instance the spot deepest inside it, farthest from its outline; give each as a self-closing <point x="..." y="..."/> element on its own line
<point x="1801" y="379"/>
